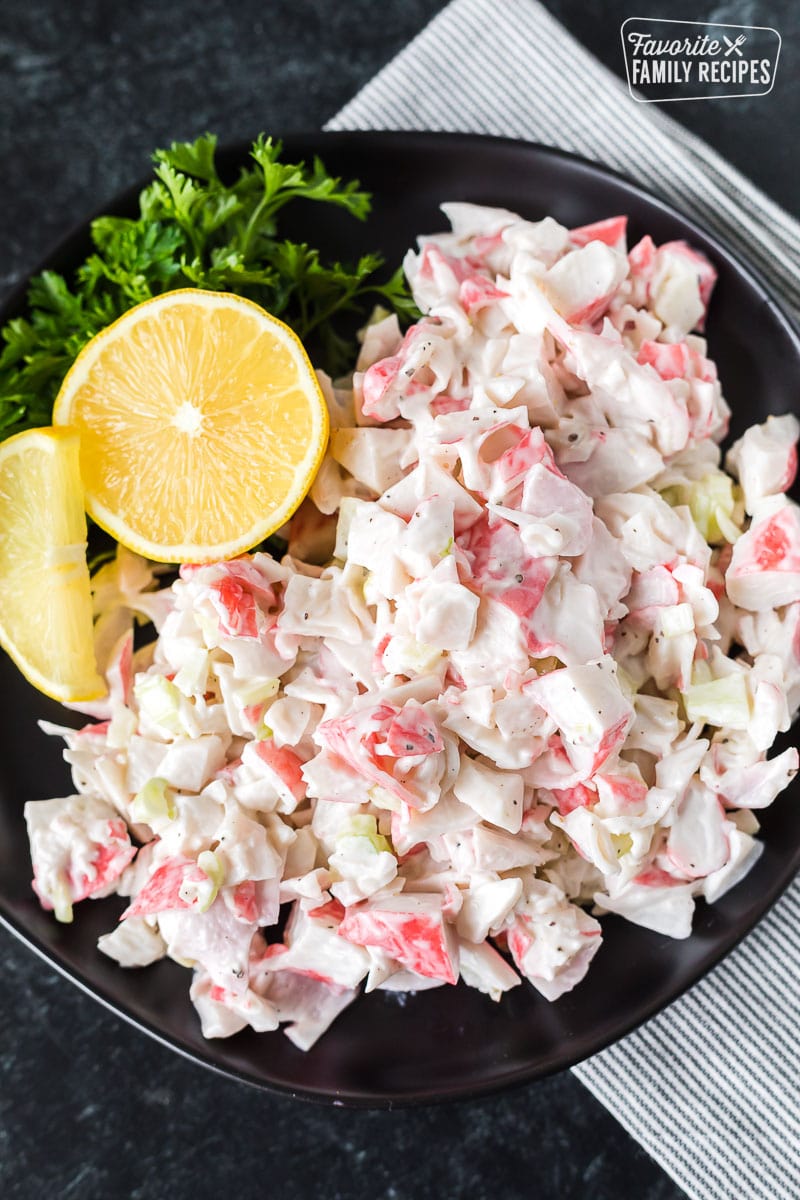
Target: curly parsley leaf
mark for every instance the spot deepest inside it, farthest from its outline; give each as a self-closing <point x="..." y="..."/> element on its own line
<point x="196" y="230"/>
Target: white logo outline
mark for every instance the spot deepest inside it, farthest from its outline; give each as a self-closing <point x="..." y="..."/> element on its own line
<point x="703" y="25"/>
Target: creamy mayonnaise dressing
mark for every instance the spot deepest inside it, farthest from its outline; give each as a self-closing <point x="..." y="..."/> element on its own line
<point x="522" y="665"/>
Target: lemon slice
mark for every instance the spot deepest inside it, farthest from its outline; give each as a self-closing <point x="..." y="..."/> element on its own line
<point x="45" y="594"/>
<point x="202" y="425"/>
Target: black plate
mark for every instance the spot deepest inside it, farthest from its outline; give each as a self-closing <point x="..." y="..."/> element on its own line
<point x="449" y="1042"/>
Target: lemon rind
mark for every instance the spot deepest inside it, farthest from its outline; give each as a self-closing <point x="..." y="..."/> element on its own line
<point x="307" y="469"/>
<point x="46" y="440"/>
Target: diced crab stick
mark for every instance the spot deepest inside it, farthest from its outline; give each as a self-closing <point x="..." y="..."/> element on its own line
<point x="502" y="568"/>
<point x="119" y="672"/>
<point x="109" y="861"/>
<point x="284" y="765"/>
<point x="410" y="929"/>
<point x="377" y="380"/>
<point x="309" y="1006"/>
<point x="332" y="910"/>
<point x="236" y="608"/>
<point x="698" y="841"/>
<point x="681" y="285"/>
<point x="567" y="799"/>
<point x="441" y="405"/>
<point x="554" y="950"/>
<point x="700" y="265"/>
<point x="765" y="458"/>
<point x="216" y="939"/>
<point x="476" y="292"/>
<point x="612" y="231"/>
<point x="657" y="877"/>
<point x="361" y="740"/>
<point x="413" y="731"/>
<point x="757" y="785"/>
<point x="484" y="247"/>
<point x="79" y="847"/>
<point x="589" y="708"/>
<point x="133" y="943"/>
<point x="764" y="571"/>
<point x="161" y="892"/>
<point x="444" y="269"/>
<point x="667" y="910"/>
<point x="248" y="572"/>
<point x="642" y="255"/>
<point x="676" y="360"/>
<point x="654" y="588"/>
<point x="312" y="948"/>
<point x="378" y="398"/>
<point x="528" y="450"/>
<point x="497" y="796"/>
<point x="95" y="729"/>
<point x="277" y="954"/>
<point x="582" y="283"/>
<point x="619" y="793"/>
<point x="244" y="901"/>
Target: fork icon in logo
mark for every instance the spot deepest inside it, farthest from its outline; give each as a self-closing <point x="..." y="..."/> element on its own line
<point x="741" y="39"/>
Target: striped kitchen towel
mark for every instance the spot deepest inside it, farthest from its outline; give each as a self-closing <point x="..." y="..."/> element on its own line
<point x="711" y="1087"/>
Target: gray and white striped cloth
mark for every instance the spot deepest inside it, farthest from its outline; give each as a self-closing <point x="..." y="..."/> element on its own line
<point x="711" y="1087"/>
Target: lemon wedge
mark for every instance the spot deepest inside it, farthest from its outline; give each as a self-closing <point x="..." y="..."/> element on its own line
<point x="45" y="593"/>
<point x="202" y="425"/>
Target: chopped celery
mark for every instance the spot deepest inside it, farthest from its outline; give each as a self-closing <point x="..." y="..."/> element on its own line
<point x="155" y="802"/>
<point x="191" y="679"/>
<point x="160" y="700"/>
<point x="258" y="691"/>
<point x="210" y="865"/>
<point x="382" y="798"/>
<point x="722" y="702"/>
<point x="418" y="656"/>
<point x="622" y="843"/>
<point x="677" y="619"/>
<point x="712" y="501"/>
<point x="62" y="901"/>
<point x="364" y="826"/>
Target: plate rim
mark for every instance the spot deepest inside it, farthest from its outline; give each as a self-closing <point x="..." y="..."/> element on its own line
<point x="424" y="1095"/>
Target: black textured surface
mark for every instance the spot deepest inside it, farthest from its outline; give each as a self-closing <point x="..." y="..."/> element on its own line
<point x="88" y="1107"/>
<point x="754" y="133"/>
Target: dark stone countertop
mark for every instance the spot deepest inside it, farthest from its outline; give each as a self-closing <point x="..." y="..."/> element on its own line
<point x="90" y="1108"/>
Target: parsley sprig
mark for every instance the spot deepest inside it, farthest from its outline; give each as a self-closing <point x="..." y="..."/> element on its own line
<point x="195" y="230"/>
